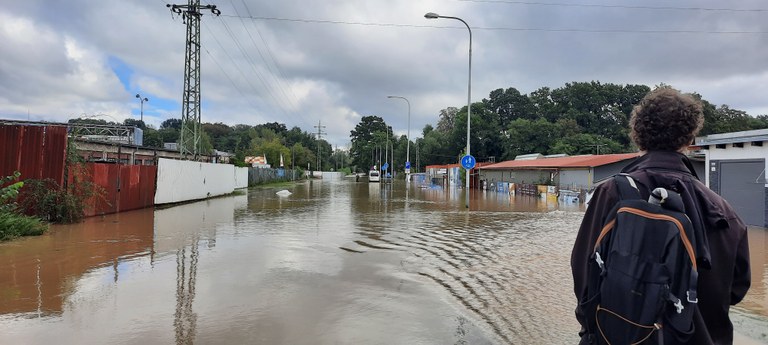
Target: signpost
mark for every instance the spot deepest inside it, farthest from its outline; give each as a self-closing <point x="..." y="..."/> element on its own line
<point x="468" y="162"/>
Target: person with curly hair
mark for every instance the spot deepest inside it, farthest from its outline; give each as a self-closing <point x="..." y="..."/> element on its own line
<point x="663" y="125"/>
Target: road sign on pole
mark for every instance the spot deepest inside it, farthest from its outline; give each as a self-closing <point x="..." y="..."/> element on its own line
<point x="468" y="162"/>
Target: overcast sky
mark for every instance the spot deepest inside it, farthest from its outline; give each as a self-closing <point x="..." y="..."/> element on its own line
<point x="300" y="62"/>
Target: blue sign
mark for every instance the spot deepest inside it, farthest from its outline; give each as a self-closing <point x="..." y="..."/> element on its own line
<point x="407" y="165"/>
<point x="468" y="162"/>
<point x="385" y="166"/>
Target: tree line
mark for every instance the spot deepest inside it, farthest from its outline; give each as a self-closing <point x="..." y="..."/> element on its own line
<point x="578" y="118"/>
<point x="298" y="148"/>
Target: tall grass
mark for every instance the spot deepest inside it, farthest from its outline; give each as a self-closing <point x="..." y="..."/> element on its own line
<point x="14" y="225"/>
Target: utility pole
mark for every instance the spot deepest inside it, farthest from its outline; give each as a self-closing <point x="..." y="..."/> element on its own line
<point x="191" y="130"/>
<point x="320" y="133"/>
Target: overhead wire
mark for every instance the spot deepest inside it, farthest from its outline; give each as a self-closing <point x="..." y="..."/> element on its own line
<point x="277" y="82"/>
<point x="269" y="53"/>
<point x="226" y="52"/>
<point x="279" y="102"/>
<point x="339" y="22"/>
<point x="633" y="7"/>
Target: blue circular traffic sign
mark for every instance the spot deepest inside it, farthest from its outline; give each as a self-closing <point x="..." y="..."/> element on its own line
<point x="468" y="162"/>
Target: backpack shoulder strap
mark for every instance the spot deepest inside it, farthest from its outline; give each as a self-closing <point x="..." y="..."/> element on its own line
<point x="627" y="187"/>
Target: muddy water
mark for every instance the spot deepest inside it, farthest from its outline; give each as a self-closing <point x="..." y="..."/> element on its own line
<point x="333" y="263"/>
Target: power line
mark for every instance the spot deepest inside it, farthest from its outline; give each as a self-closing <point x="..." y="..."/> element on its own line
<point x="338" y="22"/>
<point x="269" y="52"/>
<point x="250" y="60"/>
<point x="280" y="88"/>
<point x="189" y="138"/>
<point x="320" y="133"/>
<point x="226" y="52"/>
<point x="228" y="77"/>
<point x="633" y="7"/>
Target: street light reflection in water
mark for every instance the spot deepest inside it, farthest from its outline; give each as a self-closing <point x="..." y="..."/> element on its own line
<point x="334" y="262"/>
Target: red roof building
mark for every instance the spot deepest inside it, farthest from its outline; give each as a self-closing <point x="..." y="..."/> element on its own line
<point x="572" y="172"/>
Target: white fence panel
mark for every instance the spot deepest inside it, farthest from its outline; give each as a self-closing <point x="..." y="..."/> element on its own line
<point x="332" y="175"/>
<point x="179" y="181"/>
<point x="241" y="177"/>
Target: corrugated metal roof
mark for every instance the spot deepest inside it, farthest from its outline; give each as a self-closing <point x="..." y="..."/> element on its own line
<point x="563" y="162"/>
<point x="757" y="135"/>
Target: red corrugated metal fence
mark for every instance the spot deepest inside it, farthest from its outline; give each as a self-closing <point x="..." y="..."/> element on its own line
<point x="125" y="187"/>
<point x="37" y="152"/>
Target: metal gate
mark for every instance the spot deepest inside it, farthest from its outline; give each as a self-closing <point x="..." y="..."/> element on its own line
<point x="742" y="184"/>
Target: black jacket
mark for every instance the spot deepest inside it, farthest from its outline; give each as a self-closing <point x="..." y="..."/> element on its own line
<point x="722" y="250"/>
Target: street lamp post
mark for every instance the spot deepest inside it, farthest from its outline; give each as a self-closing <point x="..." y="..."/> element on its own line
<point x="408" y="138"/>
<point x="144" y="99"/>
<point x="431" y="15"/>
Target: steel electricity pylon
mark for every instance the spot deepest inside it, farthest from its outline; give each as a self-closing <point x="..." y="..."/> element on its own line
<point x="191" y="130"/>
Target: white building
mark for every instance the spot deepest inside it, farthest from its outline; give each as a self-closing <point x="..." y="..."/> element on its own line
<point x="736" y="165"/>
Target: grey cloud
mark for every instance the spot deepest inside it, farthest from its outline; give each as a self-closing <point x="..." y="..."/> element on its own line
<point x="340" y="71"/>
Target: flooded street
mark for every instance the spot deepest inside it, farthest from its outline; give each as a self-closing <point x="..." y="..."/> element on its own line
<point x="336" y="262"/>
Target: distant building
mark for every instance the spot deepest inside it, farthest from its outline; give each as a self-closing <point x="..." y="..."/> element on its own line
<point x="257" y="161"/>
<point x="573" y="172"/>
<point x="529" y="156"/>
<point x="222" y="157"/>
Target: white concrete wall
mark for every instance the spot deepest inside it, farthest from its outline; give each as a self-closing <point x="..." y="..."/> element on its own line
<point x="332" y="175"/>
<point x="179" y="181"/>
<point x="241" y="177"/>
<point x="735" y="153"/>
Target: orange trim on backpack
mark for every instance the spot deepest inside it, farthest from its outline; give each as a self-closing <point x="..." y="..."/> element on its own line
<point x="604" y="232"/>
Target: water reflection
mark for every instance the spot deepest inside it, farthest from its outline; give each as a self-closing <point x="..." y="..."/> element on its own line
<point x="185" y="319"/>
<point x="756" y="300"/>
<point x="38" y="273"/>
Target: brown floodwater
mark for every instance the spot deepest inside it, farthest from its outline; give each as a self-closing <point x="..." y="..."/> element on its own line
<point x="335" y="262"/>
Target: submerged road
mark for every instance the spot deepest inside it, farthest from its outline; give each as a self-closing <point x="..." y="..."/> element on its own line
<point x="335" y="262"/>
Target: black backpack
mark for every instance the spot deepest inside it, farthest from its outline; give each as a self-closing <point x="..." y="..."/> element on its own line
<point x="643" y="274"/>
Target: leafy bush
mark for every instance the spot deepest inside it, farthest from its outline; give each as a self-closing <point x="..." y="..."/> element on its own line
<point x="13" y="224"/>
<point x="9" y="193"/>
<point x="54" y="203"/>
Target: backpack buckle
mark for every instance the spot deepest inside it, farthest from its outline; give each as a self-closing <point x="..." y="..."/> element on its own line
<point x="691" y="296"/>
<point x="600" y="262"/>
<point x="679" y="306"/>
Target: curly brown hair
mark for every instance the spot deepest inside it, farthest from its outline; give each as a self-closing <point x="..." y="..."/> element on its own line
<point x="665" y="120"/>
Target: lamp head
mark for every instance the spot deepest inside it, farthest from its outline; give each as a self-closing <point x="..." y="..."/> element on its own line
<point x="390" y="96"/>
<point x="146" y="99"/>
<point x="431" y="15"/>
<point x="138" y="96"/>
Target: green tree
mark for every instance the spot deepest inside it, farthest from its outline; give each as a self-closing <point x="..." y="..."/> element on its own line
<point x="584" y="143"/>
<point x="152" y="138"/>
<point x="364" y="139"/>
<point x="171" y="123"/>
<point x="135" y="123"/>
<point x="433" y="147"/>
<point x="447" y="119"/>
<point x="509" y="105"/>
<point x="526" y="136"/>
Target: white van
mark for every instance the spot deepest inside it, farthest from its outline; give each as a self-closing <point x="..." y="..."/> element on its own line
<point x="374" y="176"/>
